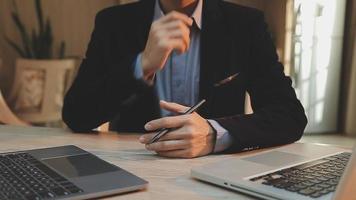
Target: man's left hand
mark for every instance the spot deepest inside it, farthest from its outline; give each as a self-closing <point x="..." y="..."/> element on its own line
<point x="192" y="135"/>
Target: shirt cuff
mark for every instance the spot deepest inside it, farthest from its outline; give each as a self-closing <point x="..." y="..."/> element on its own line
<point x="223" y="138"/>
<point x="138" y="72"/>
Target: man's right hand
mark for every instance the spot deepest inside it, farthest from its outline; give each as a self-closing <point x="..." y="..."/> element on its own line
<point x="168" y="33"/>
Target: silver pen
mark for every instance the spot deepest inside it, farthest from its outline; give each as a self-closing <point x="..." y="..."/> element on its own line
<point x="164" y="131"/>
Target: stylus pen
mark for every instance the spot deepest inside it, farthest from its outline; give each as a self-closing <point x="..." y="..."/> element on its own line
<point x="164" y="131"/>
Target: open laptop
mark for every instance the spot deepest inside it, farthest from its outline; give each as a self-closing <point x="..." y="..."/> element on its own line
<point x="297" y="171"/>
<point x="66" y="172"/>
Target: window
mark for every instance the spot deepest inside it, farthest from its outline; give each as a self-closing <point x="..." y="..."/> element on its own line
<point x="317" y="54"/>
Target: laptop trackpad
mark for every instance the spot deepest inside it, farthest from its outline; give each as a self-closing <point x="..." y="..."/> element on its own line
<point x="79" y="165"/>
<point x="275" y="158"/>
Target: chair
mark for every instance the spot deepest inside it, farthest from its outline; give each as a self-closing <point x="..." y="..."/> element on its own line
<point x="7" y="116"/>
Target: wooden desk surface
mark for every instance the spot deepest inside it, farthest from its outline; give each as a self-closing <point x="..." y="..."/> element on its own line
<point x="168" y="178"/>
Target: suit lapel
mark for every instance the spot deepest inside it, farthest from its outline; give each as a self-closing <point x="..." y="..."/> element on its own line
<point x="144" y="21"/>
<point x="214" y="51"/>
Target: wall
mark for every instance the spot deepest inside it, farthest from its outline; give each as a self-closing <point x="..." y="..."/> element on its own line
<point x="72" y="21"/>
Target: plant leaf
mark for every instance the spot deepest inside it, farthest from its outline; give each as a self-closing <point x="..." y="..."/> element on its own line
<point x="34" y="44"/>
<point x="37" y="44"/>
<point x="14" y="5"/>
<point x="23" y="33"/>
<point x="62" y="49"/>
<point x="48" y="38"/>
<point x="39" y="15"/>
<point x="40" y="37"/>
<point x="16" y="47"/>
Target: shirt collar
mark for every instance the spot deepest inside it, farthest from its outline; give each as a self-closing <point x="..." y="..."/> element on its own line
<point x="197" y="14"/>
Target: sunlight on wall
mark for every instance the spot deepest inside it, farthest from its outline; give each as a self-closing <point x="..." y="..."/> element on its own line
<point x="318" y="46"/>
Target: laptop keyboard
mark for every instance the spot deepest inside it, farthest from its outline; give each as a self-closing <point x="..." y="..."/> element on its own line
<point x="24" y="177"/>
<point x="313" y="179"/>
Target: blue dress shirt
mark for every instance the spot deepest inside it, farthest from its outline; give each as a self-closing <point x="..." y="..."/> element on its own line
<point x="178" y="81"/>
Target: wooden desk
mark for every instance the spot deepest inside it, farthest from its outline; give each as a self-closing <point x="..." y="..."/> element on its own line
<point x="168" y="178"/>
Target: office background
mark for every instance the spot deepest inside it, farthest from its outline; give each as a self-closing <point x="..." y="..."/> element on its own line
<point x="73" y="22"/>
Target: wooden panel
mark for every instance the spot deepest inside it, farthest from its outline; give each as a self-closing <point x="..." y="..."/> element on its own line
<point x="351" y="106"/>
<point x="347" y="80"/>
<point x="288" y="40"/>
<point x="275" y="12"/>
<point x="72" y="21"/>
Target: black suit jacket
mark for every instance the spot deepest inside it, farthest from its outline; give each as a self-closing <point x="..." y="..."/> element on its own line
<point x="234" y="39"/>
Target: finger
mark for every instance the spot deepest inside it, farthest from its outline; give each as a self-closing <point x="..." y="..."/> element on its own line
<point x="173" y="107"/>
<point x="174" y="15"/>
<point x="179" y="45"/>
<point x="171" y="34"/>
<point x="173" y="44"/>
<point x="185" y="153"/>
<point x="167" y="122"/>
<point x="178" y="34"/>
<point x="168" y="145"/>
<point x="144" y="139"/>
<point x="165" y="30"/>
<point x="177" y="29"/>
<point x="178" y="134"/>
<point x="176" y="25"/>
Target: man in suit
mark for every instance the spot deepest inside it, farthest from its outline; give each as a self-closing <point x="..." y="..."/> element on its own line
<point x="183" y="51"/>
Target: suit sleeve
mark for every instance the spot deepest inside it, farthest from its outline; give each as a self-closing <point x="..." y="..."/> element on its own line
<point x="105" y="80"/>
<point x="278" y="116"/>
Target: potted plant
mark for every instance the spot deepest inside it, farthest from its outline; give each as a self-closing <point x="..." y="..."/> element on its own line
<point x="42" y="72"/>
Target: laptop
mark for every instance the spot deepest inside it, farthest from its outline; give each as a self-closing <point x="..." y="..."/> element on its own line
<point x="65" y="172"/>
<point x="297" y="171"/>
